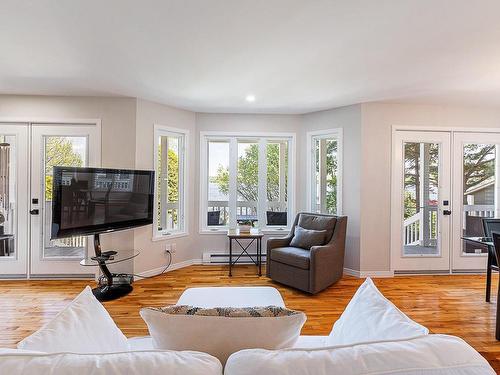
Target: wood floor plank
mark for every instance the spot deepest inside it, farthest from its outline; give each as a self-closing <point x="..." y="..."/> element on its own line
<point x="445" y="304"/>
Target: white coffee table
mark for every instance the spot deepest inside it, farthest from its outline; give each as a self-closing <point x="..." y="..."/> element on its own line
<point x="231" y="297"/>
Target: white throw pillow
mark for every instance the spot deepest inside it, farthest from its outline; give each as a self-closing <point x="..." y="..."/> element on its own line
<point x="370" y="317"/>
<point x="430" y="354"/>
<point x="84" y="326"/>
<point x="220" y="336"/>
<point x="142" y="362"/>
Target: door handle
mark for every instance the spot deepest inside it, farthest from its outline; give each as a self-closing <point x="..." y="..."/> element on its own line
<point x="446" y="212"/>
<point x="35" y="211"/>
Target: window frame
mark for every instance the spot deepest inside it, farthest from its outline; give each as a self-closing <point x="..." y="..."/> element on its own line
<point x="261" y="138"/>
<point x="183" y="135"/>
<point x="332" y="133"/>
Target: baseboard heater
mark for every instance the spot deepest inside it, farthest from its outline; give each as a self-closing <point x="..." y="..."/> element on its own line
<point x="223" y="258"/>
<point x="422" y="272"/>
<point x="442" y="272"/>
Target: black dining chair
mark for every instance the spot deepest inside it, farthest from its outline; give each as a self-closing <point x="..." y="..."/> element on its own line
<point x="496" y="242"/>
<point x="490" y="226"/>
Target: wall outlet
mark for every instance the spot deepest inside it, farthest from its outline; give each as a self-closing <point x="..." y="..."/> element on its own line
<point x="170" y="247"/>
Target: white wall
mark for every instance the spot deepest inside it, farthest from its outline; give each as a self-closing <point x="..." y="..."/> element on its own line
<point x="242" y="123"/>
<point x="153" y="254"/>
<point x="117" y="126"/>
<point x="349" y="119"/>
<point x="127" y="142"/>
<point x="376" y="138"/>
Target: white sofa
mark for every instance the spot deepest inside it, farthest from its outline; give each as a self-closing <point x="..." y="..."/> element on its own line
<point x="375" y="338"/>
<point x="431" y="354"/>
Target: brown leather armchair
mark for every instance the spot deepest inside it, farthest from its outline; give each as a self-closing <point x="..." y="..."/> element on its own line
<point x="309" y="270"/>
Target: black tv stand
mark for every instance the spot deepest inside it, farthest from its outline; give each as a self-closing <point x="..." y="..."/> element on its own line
<point x="115" y="285"/>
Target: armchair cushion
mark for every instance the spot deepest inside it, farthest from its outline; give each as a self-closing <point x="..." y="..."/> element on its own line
<point x="307" y="238"/>
<point x="318" y="222"/>
<point x="292" y="256"/>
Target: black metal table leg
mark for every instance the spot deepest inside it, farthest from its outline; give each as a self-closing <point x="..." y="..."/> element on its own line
<point x="259" y="255"/>
<point x="497" y="322"/>
<point x="488" y="273"/>
<point x="230" y="255"/>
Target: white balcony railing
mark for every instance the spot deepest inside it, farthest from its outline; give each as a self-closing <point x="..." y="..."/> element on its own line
<point x="412" y="232"/>
<point x="483" y="210"/>
<point x="414" y="235"/>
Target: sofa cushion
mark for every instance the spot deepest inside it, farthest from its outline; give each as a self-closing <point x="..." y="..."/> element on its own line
<point x="318" y="222"/>
<point x="431" y="354"/>
<point x="84" y="326"/>
<point x="307" y="238"/>
<point x="139" y="362"/>
<point x="370" y="317"/>
<point x="221" y="336"/>
<point x="292" y="256"/>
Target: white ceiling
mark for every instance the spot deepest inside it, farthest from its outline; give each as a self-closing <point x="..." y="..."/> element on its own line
<point x="295" y="56"/>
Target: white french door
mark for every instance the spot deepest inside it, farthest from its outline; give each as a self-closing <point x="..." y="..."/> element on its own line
<point x="421" y="183"/>
<point x="14" y="231"/>
<point x="28" y="151"/>
<point x="476" y="173"/>
<point x="444" y="183"/>
<point x="57" y="145"/>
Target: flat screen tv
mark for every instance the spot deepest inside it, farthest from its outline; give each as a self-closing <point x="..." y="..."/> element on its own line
<point x="89" y="201"/>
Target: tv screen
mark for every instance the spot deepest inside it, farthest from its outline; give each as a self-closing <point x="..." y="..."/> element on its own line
<point x="94" y="200"/>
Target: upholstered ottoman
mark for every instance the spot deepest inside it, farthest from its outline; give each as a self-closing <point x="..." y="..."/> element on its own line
<point x="231" y="297"/>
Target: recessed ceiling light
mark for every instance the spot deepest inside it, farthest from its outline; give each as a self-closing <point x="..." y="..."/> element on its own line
<point x="250" y="98"/>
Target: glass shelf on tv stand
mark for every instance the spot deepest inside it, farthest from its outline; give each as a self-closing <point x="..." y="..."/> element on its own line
<point x="121" y="256"/>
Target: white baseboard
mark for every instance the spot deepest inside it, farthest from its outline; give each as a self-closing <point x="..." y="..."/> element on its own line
<point x="365" y="274"/>
<point x="190" y="262"/>
<point x="174" y="266"/>
<point x="351" y="272"/>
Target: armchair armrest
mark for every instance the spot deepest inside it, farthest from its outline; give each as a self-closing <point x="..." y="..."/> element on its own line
<point x="324" y="252"/>
<point x="273" y="243"/>
<point x="327" y="261"/>
<point x="326" y="267"/>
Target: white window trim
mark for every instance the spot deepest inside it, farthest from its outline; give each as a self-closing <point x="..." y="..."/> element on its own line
<point x="205" y="137"/>
<point x="162" y="130"/>
<point x="338" y="134"/>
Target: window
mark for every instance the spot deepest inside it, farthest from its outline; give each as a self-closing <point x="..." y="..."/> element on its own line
<point x="170" y="162"/>
<point x="245" y="178"/>
<point x="325" y="171"/>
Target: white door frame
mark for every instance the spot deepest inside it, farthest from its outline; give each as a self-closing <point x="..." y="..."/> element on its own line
<point x="460" y="261"/>
<point x="55" y="266"/>
<point x="17" y="267"/>
<point x="410" y="263"/>
<point x="452" y="130"/>
<point x="29" y="122"/>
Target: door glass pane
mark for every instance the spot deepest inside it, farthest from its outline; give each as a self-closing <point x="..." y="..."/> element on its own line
<point x="218" y="183"/>
<point x="421" y="181"/>
<point x="478" y="192"/>
<point x="325" y="187"/>
<point x="67" y="152"/>
<point x="8" y="219"/>
<point x="247" y="181"/>
<point x="277" y="183"/>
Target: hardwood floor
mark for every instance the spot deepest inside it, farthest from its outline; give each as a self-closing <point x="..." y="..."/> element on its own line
<point x="445" y="304"/>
